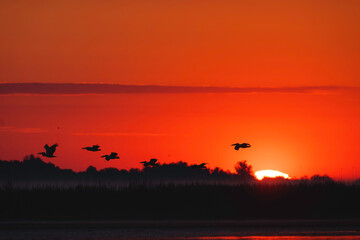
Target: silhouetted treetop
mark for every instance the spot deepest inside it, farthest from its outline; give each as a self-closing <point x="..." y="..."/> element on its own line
<point x="244" y="170"/>
<point x="321" y="179"/>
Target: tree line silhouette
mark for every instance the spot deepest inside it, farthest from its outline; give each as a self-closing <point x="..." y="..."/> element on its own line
<point x="34" y="168"/>
<point x="204" y="194"/>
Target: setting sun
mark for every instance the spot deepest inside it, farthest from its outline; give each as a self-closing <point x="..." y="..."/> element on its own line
<point x="270" y="174"/>
<point x="128" y="119"/>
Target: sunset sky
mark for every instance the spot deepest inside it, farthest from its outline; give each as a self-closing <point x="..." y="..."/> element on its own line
<point x="283" y="76"/>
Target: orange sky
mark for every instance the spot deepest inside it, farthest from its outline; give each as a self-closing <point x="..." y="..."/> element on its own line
<point x="186" y="43"/>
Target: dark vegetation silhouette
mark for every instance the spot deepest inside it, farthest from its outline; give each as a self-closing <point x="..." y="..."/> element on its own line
<point x="181" y="192"/>
<point x="324" y="179"/>
<point x="33" y="168"/>
<point x="244" y="171"/>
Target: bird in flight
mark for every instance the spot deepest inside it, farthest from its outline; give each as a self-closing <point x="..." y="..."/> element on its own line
<point x="112" y="155"/>
<point x="242" y="145"/>
<point x="49" y="151"/>
<point x="94" y="148"/>
<point x="201" y="166"/>
<point x="150" y="163"/>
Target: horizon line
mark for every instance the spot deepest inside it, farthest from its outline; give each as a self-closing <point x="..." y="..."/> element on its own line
<point x="111" y="88"/>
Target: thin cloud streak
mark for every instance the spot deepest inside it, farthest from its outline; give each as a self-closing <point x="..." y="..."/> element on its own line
<point x="118" y="134"/>
<point x="98" y="88"/>
<point x="21" y="130"/>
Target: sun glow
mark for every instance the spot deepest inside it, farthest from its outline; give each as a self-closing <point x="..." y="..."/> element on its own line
<point x="270" y="174"/>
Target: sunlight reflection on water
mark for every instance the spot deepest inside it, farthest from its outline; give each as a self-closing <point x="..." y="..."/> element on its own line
<point x="178" y="234"/>
<point x="279" y="237"/>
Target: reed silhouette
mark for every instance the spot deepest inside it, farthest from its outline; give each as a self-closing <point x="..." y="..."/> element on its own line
<point x="193" y="201"/>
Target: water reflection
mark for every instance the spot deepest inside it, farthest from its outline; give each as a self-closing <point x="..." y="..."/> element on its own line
<point x="174" y="234"/>
<point x="279" y="237"/>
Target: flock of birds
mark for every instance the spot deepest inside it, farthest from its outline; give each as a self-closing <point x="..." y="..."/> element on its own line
<point x="49" y="153"/>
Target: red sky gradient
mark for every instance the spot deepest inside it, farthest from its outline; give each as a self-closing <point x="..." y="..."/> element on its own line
<point x="257" y="44"/>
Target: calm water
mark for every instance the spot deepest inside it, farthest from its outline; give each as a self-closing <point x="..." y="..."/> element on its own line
<point x="177" y="230"/>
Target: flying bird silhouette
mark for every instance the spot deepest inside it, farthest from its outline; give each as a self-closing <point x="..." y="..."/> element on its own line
<point x="49" y="151"/>
<point x="94" y="148"/>
<point x="201" y="166"/>
<point x="112" y="155"/>
<point x="151" y="163"/>
<point x="242" y="145"/>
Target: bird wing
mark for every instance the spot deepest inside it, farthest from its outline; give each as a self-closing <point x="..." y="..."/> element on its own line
<point x="153" y="161"/>
<point x="114" y="154"/>
<point x="96" y="146"/>
<point x="245" y="145"/>
<point x="46" y="148"/>
<point x="52" y="149"/>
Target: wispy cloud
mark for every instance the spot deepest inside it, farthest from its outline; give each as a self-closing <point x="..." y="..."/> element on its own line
<point x="97" y="88"/>
<point x="21" y="130"/>
<point x="118" y="134"/>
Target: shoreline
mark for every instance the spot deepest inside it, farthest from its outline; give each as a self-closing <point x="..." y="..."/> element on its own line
<point x="129" y="224"/>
